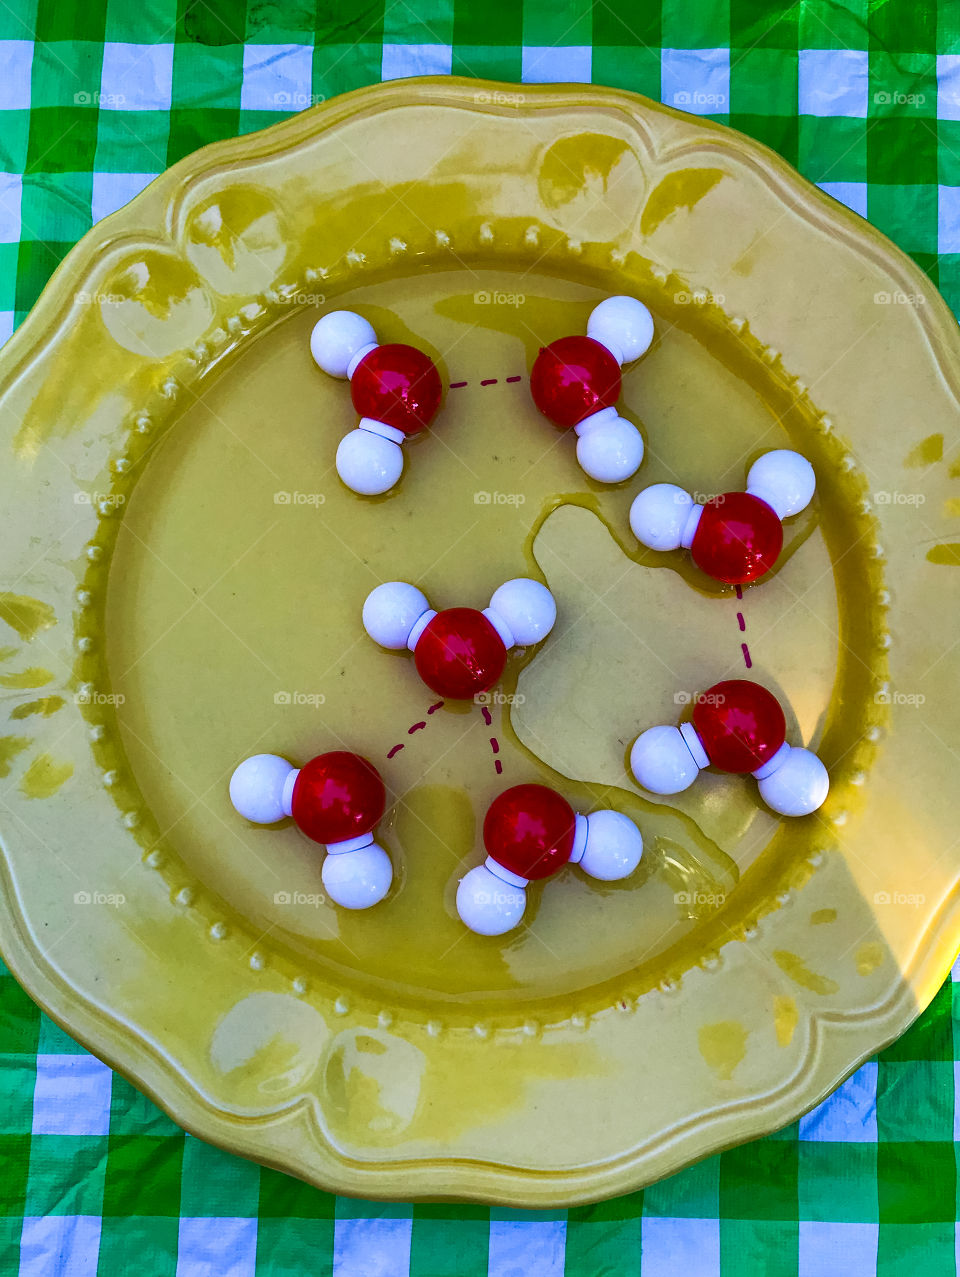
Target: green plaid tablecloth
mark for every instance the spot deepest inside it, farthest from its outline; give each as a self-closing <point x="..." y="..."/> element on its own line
<point x="96" y="98"/>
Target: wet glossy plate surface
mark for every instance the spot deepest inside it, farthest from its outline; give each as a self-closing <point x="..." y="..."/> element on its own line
<point x="182" y="577"/>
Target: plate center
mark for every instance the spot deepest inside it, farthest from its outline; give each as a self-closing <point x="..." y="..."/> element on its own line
<point x="233" y="627"/>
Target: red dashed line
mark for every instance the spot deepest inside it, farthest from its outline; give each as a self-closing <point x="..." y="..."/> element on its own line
<point x="494" y="743"/>
<point x="417" y="727"/>
<point x="490" y="381"/>
<point x="743" y="625"/>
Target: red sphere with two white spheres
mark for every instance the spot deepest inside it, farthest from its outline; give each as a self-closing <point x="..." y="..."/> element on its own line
<point x="460" y="651"/>
<point x="336" y="799"/>
<point x="575" y="382"/>
<point x="530" y="832"/>
<point x="395" y="388"/>
<point x="738" y="726"/>
<point x="735" y="537"/>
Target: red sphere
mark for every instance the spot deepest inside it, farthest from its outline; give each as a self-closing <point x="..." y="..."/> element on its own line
<point x="460" y="654"/>
<point x="740" y="725"/>
<point x="398" y="385"/>
<point x="336" y="796"/>
<point x="737" y="539"/>
<point x="529" y="830"/>
<point x="573" y="378"/>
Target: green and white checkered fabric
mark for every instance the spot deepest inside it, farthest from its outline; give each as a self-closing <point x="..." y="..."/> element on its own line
<point x="96" y="98"/>
<point x="95" y="1179"/>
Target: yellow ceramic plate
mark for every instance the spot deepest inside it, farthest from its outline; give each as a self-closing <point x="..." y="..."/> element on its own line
<point x="182" y="577"/>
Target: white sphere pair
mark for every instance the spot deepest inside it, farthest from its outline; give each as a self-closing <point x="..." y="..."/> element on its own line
<point x="522" y="611"/>
<point x="369" y="459"/>
<point x="610" y="448"/>
<point x="491" y="900"/>
<point x="667" y="760"/>
<point x="356" y="874"/>
<point x="665" y="516"/>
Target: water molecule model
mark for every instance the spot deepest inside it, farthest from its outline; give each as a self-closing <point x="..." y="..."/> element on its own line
<point x="336" y="799"/>
<point x="530" y="832"/>
<point x="575" y="382"/>
<point x="735" y="537"/>
<point x="395" y="388"/>
<point x="738" y="726"/>
<point x="460" y="651"/>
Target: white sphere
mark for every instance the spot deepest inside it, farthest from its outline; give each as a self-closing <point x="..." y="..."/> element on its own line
<point x="611" y="451"/>
<point x="256" y="788"/>
<point x="337" y="337"/>
<point x="391" y="611"/>
<point x="614" y="846"/>
<point x="488" y="905"/>
<point x="783" y="479"/>
<point x="357" y="879"/>
<point x="624" y="326"/>
<point x="798" y="786"/>
<point x="661" y="761"/>
<point x="368" y="463"/>
<point x="528" y="609"/>
<point x="659" y="514"/>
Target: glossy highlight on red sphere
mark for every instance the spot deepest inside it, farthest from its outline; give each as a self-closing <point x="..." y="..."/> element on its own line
<point x="573" y="378"/>
<point x="737" y="539"/>
<point x="529" y="830"/>
<point x="460" y="654"/>
<point x="336" y="796"/>
<point x="740" y="725"/>
<point x="398" y="385"/>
